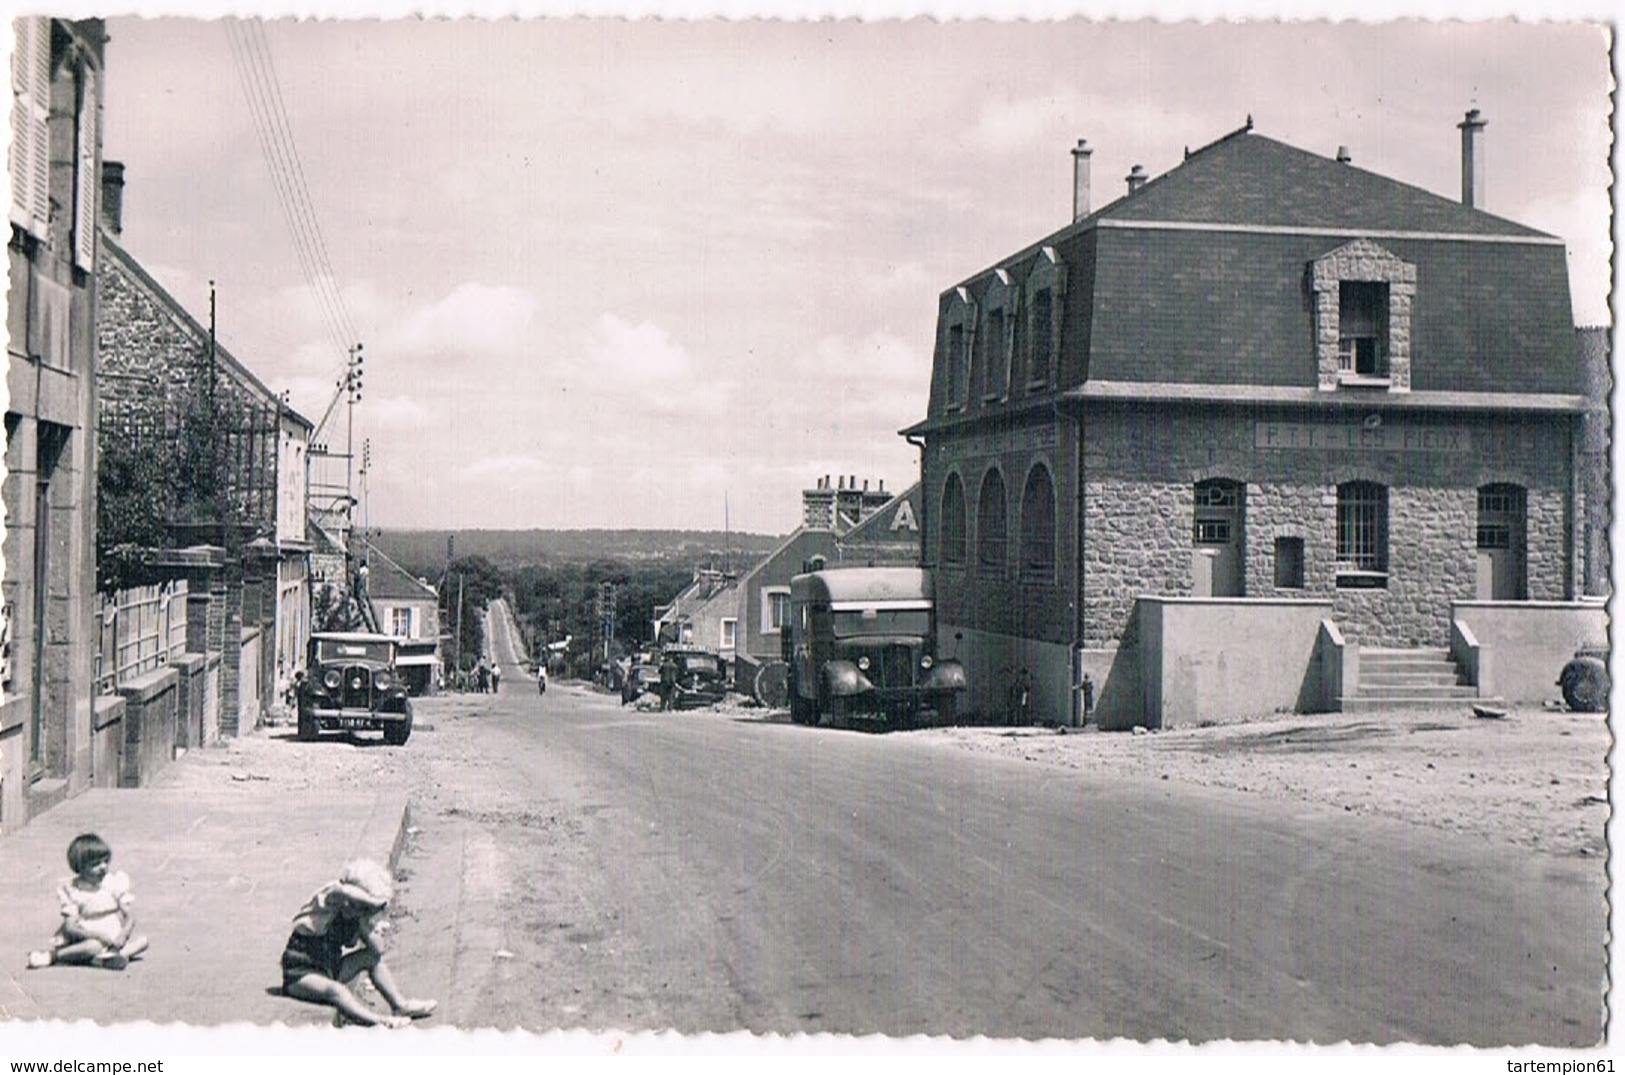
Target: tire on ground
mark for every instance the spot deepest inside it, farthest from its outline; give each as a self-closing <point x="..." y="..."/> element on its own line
<point x="772" y="685"/>
<point x="1585" y="685"/>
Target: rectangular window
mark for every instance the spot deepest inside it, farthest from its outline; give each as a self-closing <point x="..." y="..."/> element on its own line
<point x="1362" y="328"/>
<point x="730" y="631"/>
<point x="1289" y="563"/>
<point x="400" y="622"/>
<point x="956" y="365"/>
<point x="1043" y="341"/>
<point x="995" y="355"/>
<point x="778" y="610"/>
<point x="1212" y="532"/>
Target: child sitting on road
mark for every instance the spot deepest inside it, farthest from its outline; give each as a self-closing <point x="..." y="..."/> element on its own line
<point x="97" y="926"/>
<point x="334" y="940"/>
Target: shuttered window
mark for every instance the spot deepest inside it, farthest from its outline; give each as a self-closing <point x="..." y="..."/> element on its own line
<point x="30" y="132"/>
<point x="87" y="180"/>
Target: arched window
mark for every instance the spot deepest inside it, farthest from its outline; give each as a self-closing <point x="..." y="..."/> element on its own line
<point x="992" y="531"/>
<point x="1038" y="524"/>
<point x="953" y="521"/>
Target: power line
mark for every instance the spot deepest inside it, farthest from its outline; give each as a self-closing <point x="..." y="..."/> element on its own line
<point x="262" y="91"/>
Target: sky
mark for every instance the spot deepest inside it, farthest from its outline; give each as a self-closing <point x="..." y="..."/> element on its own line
<point x="653" y="274"/>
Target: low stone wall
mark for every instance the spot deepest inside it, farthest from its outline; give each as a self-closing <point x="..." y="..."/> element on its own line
<point x="151" y="718"/>
<point x="1529" y="642"/>
<point x="1218" y="660"/>
<point x="192" y="700"/>
<point x="107" y="741"/>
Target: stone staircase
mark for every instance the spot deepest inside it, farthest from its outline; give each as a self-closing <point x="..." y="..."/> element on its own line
<point x="1411" y="679"/>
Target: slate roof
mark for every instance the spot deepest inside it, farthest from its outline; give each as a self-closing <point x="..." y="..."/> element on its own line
<point x="1249" y="179"/>
<point x="389" y="581"/>
<point x="1202" y="277"/>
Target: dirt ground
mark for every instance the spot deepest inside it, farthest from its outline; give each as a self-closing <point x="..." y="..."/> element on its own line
<point x="1536" y="778"/>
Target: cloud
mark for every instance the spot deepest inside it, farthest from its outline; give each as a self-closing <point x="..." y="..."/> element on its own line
<point x="629" y="352"/>
<point x="509" y="468"/>
<point x="396" y="412"/>
<point x="474" y="318"/>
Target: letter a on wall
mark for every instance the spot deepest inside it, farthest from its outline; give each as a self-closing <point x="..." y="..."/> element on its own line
<point x="904" y="519"/>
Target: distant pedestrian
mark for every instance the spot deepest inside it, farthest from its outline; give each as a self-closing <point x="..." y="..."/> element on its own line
<point x="334" y="940"/>
<point x="496" y="677"/>
<point x="97" y="926"/>
<point x="541" y="678"/>
<point x="482" y="675"/>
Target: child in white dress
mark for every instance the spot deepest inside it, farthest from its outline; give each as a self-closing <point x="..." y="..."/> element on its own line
<point x="98" y="927"/>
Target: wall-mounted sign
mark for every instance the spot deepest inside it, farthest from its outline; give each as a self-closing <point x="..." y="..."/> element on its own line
<point x="1361" y="437"/>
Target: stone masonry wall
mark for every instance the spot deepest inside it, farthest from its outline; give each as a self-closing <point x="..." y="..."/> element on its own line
<point x="1141" y="464"/>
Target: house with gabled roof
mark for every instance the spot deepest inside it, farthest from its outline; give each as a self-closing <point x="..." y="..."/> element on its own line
<point x="1268" y="432"/>
<point x="408" y="608"/>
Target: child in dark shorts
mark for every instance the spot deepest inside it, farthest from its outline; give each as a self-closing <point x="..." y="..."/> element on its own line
<point x="334" y="941"/>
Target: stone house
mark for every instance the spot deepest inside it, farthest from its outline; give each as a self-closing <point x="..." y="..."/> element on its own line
<point x="1190" y="456"/>
<point x="241" y="485"/>
<point x="48" y="740"/>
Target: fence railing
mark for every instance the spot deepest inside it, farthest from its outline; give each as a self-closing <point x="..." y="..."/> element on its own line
<point x="142" y="628"/>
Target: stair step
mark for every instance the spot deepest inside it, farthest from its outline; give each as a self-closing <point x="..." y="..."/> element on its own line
<point x="1414" y="691"/>
<point x="1366" y="705"/>
<point x="1444" y="677"/>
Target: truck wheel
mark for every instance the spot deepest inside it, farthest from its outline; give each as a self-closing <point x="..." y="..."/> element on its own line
<point x="307" y="726"/>
<point x="1585" y="685"/>
<point x="946" y="704"/>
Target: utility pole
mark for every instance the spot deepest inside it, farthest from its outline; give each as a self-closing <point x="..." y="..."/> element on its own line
<point x="459" y="621"/>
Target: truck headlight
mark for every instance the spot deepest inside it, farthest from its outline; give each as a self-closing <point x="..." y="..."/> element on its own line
<point x="331" y="679"/>
<point x="863" y="664"/>
<point x="926" y="662"/>
<point x="381" y="681"/>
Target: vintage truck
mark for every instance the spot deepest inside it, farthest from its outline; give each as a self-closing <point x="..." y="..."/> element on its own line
<point x="860" y="644"/>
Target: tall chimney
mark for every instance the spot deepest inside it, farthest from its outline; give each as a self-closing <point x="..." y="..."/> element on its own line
<point x="1136" y="178"/>
<point x="113" y="196"/>
<point x="1343" y="155"/>
<point x="1472" y="159"/>
<point x="1080" y="180"/>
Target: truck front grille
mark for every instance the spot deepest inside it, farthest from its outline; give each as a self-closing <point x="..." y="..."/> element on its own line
<point x="356" y="688"/>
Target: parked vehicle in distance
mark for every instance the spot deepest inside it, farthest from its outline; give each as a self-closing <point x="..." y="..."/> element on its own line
<point x="860" y="642"/>
<point x="1585" y="681"/>
<point x="350" y="683"/>
<point x="691" y="678"/>
<point x="639" y="678"/>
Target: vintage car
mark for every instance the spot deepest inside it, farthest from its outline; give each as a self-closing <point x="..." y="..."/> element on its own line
<point x="350" y="683"/>
<point x="691" y="679"/>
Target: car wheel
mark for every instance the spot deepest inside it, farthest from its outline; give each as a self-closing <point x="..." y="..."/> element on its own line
<point x="307" y="726"/>
<point x="396" y="734"/>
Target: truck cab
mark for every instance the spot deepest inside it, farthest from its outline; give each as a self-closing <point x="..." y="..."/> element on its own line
<point x="861" y="644"/>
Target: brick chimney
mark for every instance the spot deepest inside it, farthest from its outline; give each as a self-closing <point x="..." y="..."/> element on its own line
<point x="1136" y="178"/>
<point x="1472" y="159"/>
<point x="1080" y="180"/>
<point x="113" y="197"/>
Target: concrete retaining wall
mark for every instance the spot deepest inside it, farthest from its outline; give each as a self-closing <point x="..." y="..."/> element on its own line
<point x="1217" y="660"/>
<point x="1530" y="641"/>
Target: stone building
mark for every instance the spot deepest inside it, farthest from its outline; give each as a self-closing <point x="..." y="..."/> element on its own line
<point x="240" y="480"/>
<point x="1194" y="453"/>
<point x="47" y="595"/>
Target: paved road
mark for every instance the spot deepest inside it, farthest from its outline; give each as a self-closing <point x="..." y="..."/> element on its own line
<point x="581" y="864"/>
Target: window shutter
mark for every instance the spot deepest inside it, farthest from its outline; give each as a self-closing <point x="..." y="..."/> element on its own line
<point x="87" y="175"/>
<point x="30" y="133"/>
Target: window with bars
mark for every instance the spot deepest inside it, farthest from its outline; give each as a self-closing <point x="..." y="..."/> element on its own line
<point x="1362" y="533"/>
<point x="1500" y="515"/>
<point x="1214" y="519"/>
<point x="953" y="521"/>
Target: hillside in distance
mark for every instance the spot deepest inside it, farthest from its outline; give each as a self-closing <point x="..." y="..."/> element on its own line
<point x="425" y="551"/>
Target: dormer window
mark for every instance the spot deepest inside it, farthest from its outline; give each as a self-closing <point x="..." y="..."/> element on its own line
<point x="998" y="342"/>
<point x="1362" y="332"/>
<point x="1363" y="299"/>
<point x="1046" y="285"/>
<point x="955" y="343"/>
